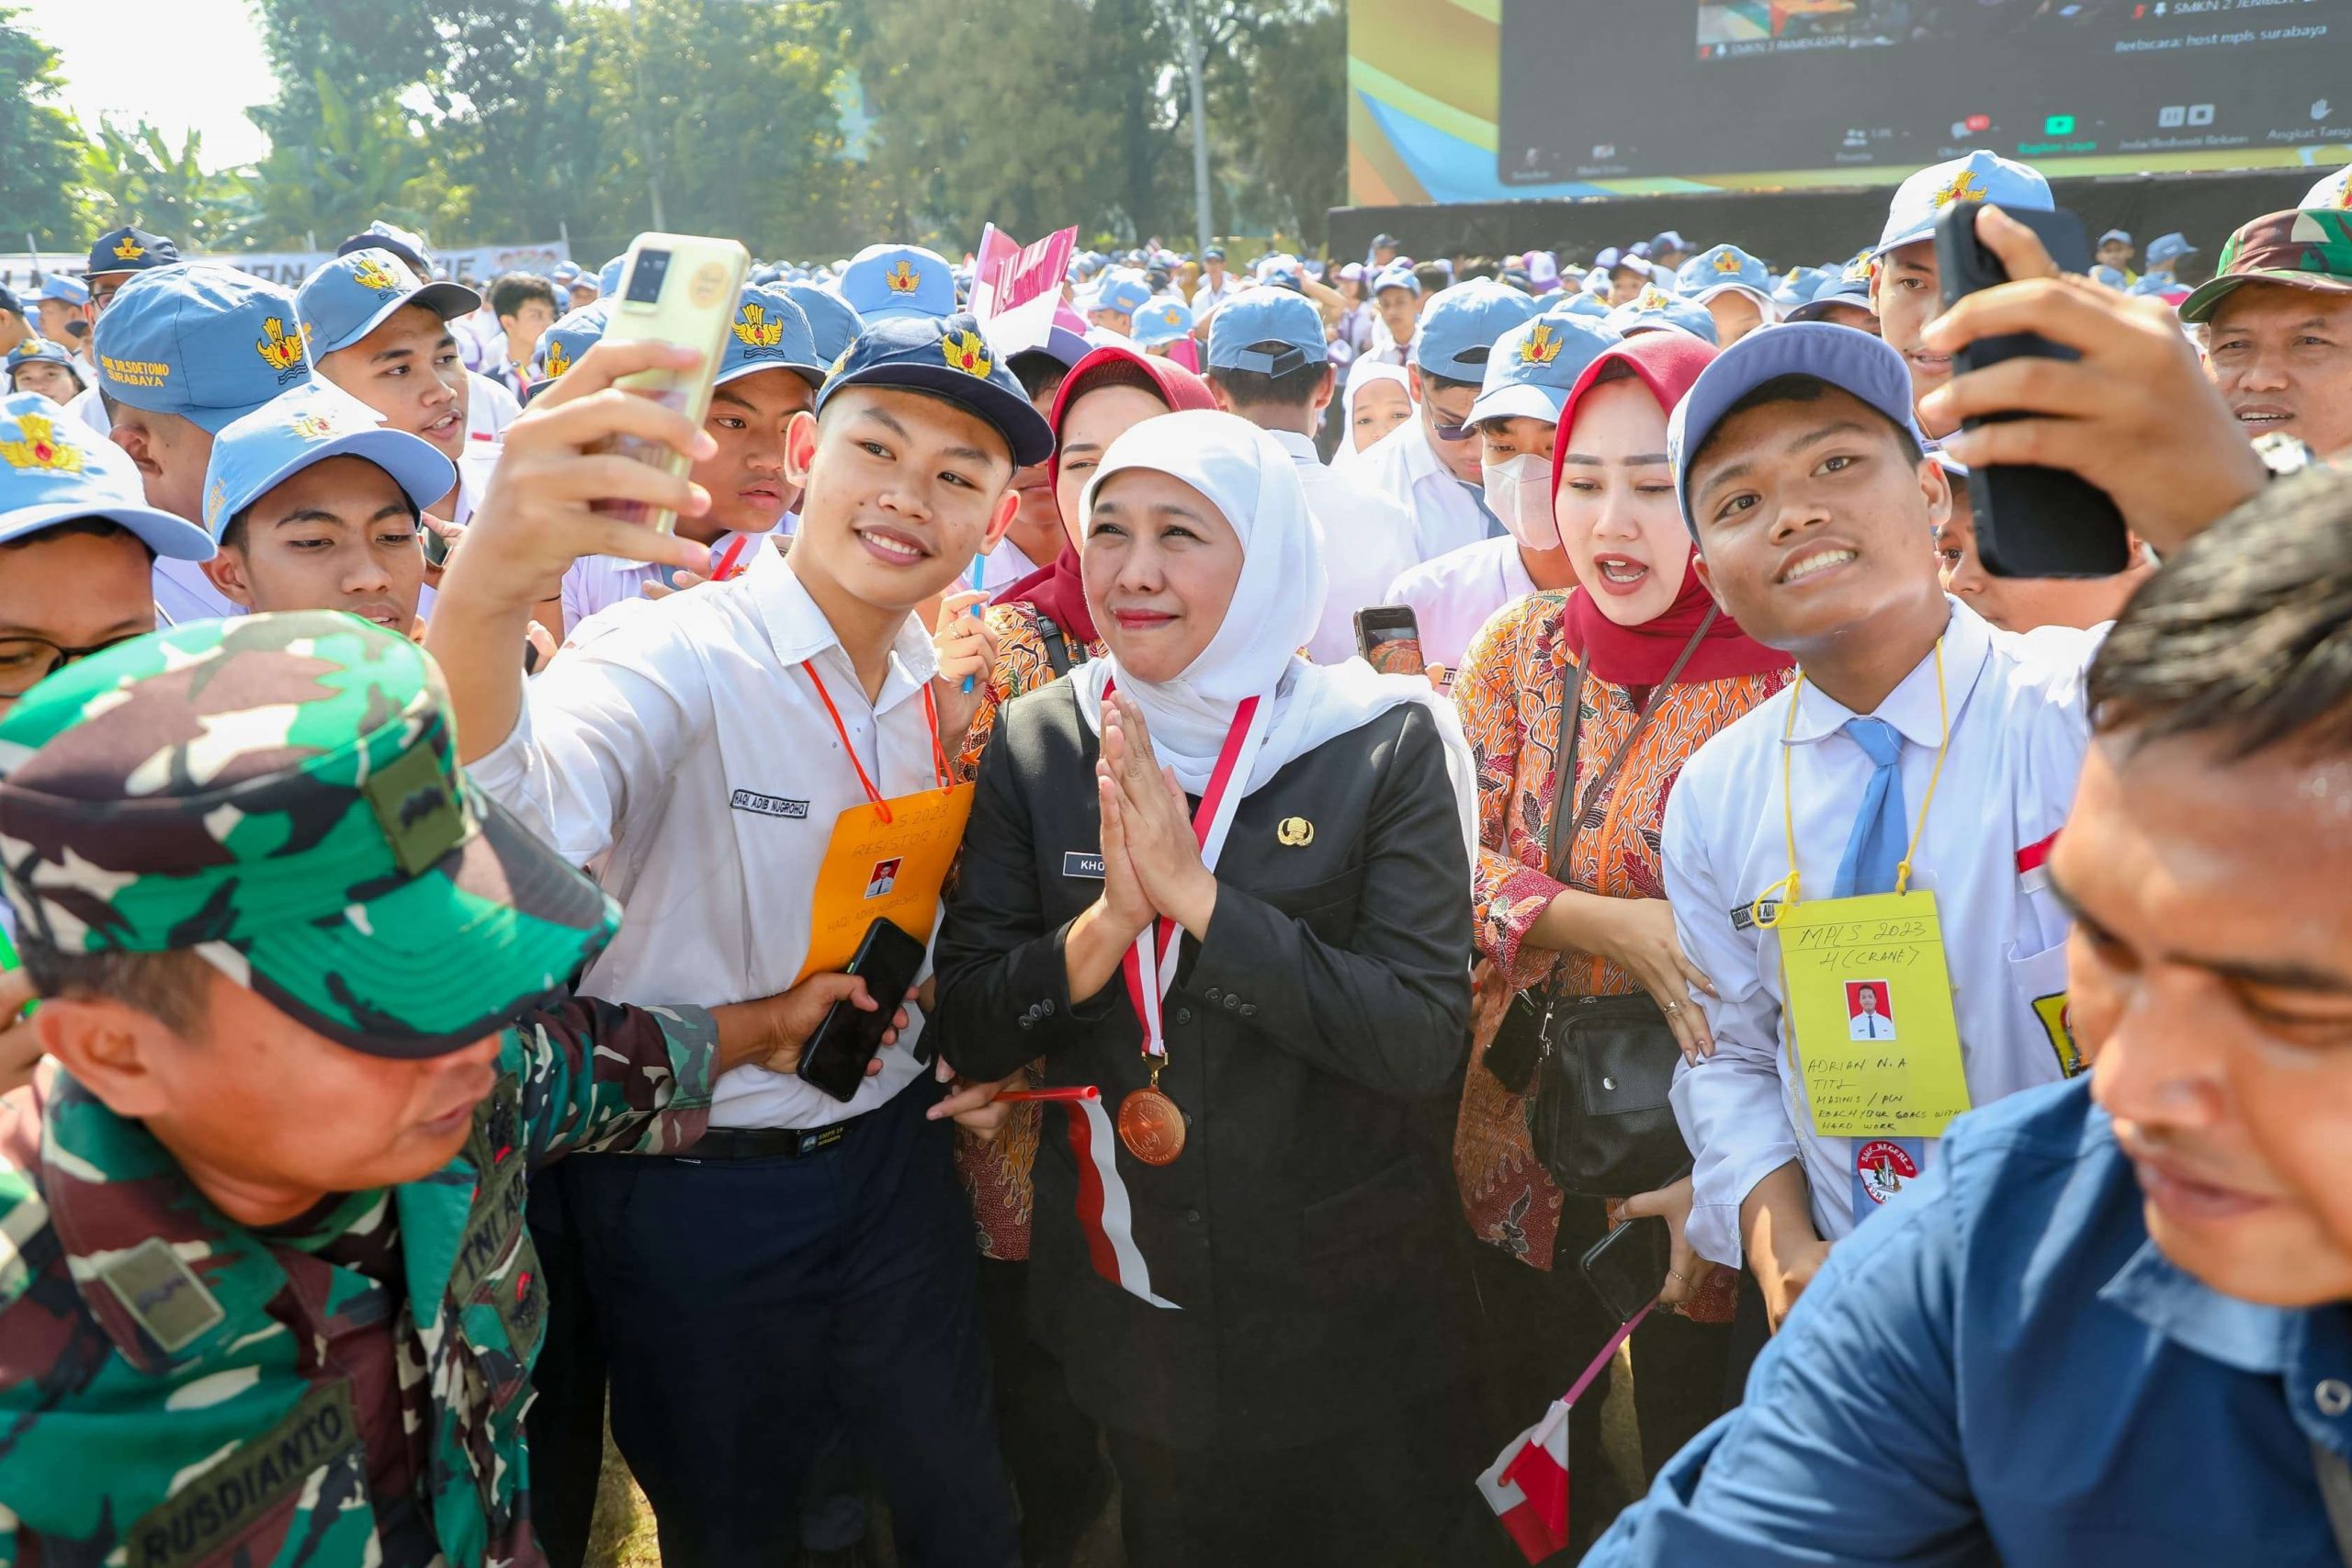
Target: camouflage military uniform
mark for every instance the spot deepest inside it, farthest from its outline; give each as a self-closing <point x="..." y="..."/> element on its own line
<point x="278" y="793"/>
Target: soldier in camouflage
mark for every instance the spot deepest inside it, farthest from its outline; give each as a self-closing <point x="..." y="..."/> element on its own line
<point x="266" y="1293"/>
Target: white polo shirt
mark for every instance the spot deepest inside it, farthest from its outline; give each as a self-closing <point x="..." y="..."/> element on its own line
<point x="1367" y="539"/>
<point x="684" y="758"/>
<point x="1447" y="513"/>
<point x="1456" y="595"/>
<point x="2020" y="727"/>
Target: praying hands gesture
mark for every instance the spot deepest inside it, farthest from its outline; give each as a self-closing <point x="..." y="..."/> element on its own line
<point x="1151" y="862"/>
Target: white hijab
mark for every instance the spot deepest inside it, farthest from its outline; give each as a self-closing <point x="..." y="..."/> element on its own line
<point x="1277" y="603"/>
<point x="1364" y="373"/>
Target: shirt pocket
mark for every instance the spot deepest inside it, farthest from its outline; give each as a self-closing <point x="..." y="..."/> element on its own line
<point x="2039" y="980"/>
<point x="1327" y="907"/>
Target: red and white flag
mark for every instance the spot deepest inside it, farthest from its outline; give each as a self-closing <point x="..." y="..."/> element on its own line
<point x="1104" y="1211"/>
<point x="1528" y="1487"/>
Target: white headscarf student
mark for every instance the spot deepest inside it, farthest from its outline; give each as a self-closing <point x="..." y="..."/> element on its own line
<point x="1311" y="948"/>
<point x="1378" y="399"/>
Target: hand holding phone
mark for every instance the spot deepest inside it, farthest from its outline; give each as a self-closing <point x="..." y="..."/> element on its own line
<point x="1627" y="1268"/>
<point x="835" y="1057"/>
<point x="681" y="289"/>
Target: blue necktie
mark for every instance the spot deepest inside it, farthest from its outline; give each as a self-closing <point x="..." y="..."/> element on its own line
<point x="1875" y="849"/>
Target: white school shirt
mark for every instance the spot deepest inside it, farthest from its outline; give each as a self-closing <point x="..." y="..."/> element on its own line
<point x="684" y="758"/>
<point x="490" y="408"/>
<point x="1005" y="565"/>
<point x="1456" y="595"/>
<point x="1367" y="539"/>
<point x="597" y="583"/>
<point x="2020" y="727"/>
<point x="183" y="593"/>
<point x="1447" y="513"/>
<point x="90" y="409"/>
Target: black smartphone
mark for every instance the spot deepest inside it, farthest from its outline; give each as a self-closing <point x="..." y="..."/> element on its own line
<point x="834" y="1059"/>
<point x="436" y="546"/>
<point x="1390" y="639"/>
<point x="2030" y="522"/>
<point x="1626" y="1268"/>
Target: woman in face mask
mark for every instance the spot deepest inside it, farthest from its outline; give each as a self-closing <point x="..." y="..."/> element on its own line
<point x="1661" y="672"/>
<point x="1228" y="891"/>
<point x="1526" y="381"/>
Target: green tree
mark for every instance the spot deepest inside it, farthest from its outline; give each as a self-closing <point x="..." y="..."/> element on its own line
<point x="1277" y="118"/>
<point x="137" y="177"/>
<point x="367" y="158"/>
<point x="41" y="147"/>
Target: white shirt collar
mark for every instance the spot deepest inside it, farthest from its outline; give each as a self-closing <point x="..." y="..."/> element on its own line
<point x="799" y="631"/>
<point x="1300" y="447"/>
<point x="1914" y="707"/>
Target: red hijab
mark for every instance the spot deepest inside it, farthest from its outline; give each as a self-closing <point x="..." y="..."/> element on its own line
<point x="1057" y="590"/>
<point x="1667" y="363"/>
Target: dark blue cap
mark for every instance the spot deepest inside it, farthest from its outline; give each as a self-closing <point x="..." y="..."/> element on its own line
<point x="947" y="357"/>
<point x="830" y="317"/>
<point x="130" y="250"/>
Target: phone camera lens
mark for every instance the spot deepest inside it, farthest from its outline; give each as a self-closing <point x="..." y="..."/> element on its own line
<point x="645" y="277"/>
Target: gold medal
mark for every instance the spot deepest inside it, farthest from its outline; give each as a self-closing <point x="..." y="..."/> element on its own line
<point x="1151" y="1126"/>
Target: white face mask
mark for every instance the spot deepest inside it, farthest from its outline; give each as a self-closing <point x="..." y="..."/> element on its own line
<point x="1518" y="493"/>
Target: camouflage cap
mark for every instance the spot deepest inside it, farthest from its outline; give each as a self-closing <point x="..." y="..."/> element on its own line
<point x="280" y="794"/>
<point x="2307" y="249"/>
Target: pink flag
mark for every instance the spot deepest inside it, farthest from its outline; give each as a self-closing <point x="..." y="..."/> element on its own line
<point x="1104" y="1211"/>
<point x="1526" y="1486"/>
<point x="997" y="247"/>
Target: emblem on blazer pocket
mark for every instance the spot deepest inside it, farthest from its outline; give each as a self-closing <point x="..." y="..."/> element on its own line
<point x="1296" y="832"/>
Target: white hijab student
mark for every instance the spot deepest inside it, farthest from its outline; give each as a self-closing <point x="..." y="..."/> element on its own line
<point x="1379" y="397"/>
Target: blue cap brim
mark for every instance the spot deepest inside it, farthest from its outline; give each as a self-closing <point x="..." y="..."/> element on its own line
<point x="893" y="312"/>
<point x="812" y="374"/>
<point x="1522" y="400"/>
<point x="174" y="538"/>
<point x="424" y="475"/>
<point x="1024" y="428"/>
<point x="1763" y="300"/>
<point x="446" y="300"/>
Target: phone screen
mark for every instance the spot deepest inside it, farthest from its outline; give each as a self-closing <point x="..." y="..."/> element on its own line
<point x="1390" y="639"/>
<point x="836" y="1055"/>
<point x="1626" y="1268"/>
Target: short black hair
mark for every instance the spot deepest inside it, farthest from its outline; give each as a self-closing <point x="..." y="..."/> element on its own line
<point x="1036" y="370"/>
<point x="1294" y="389"/>
<point x="1432" y="383"/>
<point x="1798" y="389"/>
<point x="1431" y="276"/>
<point x="514" y="291"/>
<point x="89" y="527"/>
<point x="232" y="537"/>
<point x="2245" y="635"/>
<point x="170" y="988"/>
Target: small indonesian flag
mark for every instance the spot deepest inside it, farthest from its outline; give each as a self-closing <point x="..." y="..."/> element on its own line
<point x="1528" y="1487"/>
<point x="1104" y="1212"/>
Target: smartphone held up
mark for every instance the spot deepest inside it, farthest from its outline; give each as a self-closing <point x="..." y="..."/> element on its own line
<point x="681" y="289"/>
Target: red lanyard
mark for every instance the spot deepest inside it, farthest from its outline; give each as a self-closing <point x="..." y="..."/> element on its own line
<point x="930" y="717"/>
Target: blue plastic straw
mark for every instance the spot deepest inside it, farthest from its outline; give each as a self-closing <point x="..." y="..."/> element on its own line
<point x="980" y="569"/>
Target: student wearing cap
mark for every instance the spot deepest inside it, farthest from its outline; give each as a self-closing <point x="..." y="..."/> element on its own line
<point x="885" y="283"/>
<point x="1656" y="310"/>
<point x="1668" y="251"/>
<point x="768" y="376"/>
<point x="1397" y="302"/>
<point x="2278" y="321"/>
<point x="271" y="1188"/>
<point x="525" y="305"/>
<point x="1844" y="300"/>
<point x="699" y="753"/>
<point x="833" y="325"/>
<point x="2165" y="253"/>
<point x="1217" y="284"/>
<point x="2116" y="251"/>
<point x="317" y="504"/>
<point x="14" y="327"/>
<point x="39" y="366"/>
<point x="61" y="313"/>
<point x="1164" y="327"/>
<point x="120" y="254"/>
<point x="1433" y="465"/>
<point x="1112" y="304"/>
<point x="1270" y="363"/>
<point x="183" y="351"/>
<point x="1734" y="288"/>
<point x="1514" y="420"/>
<point x="1906" y="285"/>
<point x="1628" y="274"/>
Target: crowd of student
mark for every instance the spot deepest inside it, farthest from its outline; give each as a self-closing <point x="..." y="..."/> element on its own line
<point x="1227" y="1171"/>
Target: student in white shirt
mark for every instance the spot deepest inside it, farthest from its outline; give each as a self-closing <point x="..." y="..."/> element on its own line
<point x="1517" y="417"/>
<point x="1433" y="465"/>
<point x="815" y="1266"/>
<point x="1270" y="363"/>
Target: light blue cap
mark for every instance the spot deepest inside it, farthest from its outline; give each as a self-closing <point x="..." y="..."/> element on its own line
<point x="609" y="276"/>
<point x="2115" y="234"/>
<point x="1980" y="177"/>
<point x="1121" y="290"/>
<point x="831" y="321"/>
<point x="1397" y="275"/>
<point x="345" y="299"/>
<point x="1535" y="365"/>
<point x="1851" y="286"/>
<point x="2165" y="249"/>
<point x="567" y="274"/>
<point x="57" y="285"/>
<point x="884" y="282"/>
<point x="1462" y="323"/>
<point x="1855" y="363"/>
<point x="574" y="334"/>
<point x="2111" y="276"/>
<point x="41" y="350"/>
<point x="54" y="468"/>
<point x="1722" y="270"/>
<point x="254" y="455"/>
<point x="206" y="343"/>
<point x="1653" y="310"/>
<point x="2155" y="285"/>
<point x="1584" y="303"/>
<point x="1271" y="332"/>
<point x="1163" y="322"/>
<point x="769" y="333"/>
<point x="2329" y="192"/>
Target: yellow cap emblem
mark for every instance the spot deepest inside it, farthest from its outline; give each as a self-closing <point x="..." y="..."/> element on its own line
<point x="1727" y="262"/>
<point x="1654" y="298"/>
<point x="313" y="426"/>
<point x="555" y="360"/>
<point x="128" y="249"/>
<point x="1964" y="188"/>
<point x="371" y="274"/>
<point x="1540" y="346"/>
<point x="903" y="278"/>
<point x="278" y="350"/>
<point x="967" y="352"/>
<point x="40" y="448"/>
<point x="755" y="331"/>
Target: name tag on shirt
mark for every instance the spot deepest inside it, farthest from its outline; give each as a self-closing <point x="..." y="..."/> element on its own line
<point x="1075" y="862"/>
<point x="769" y="804"/>
<point x="1868" y="1001"/>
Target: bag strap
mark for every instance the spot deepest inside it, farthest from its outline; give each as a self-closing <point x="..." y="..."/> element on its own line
<point x="1563" y="822"/>
<point x="1061" y="653"/>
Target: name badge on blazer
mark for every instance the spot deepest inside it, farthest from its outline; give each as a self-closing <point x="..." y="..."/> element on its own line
<point x="1077" y="863"/>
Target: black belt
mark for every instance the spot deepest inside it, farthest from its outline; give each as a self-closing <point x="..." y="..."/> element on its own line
<point x="769" y="1143"/>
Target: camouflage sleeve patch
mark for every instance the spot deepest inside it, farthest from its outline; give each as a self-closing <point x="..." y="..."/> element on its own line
<point x="601" y="1078"/>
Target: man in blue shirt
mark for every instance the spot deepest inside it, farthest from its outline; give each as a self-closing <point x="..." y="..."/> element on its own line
<point x="2110" y="1327"/>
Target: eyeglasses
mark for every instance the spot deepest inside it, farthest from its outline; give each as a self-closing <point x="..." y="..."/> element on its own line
<point x="1439" y="428"/>
<point x="27" y="661"/>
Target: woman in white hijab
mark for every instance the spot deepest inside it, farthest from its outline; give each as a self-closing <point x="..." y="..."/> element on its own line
<point x="1378" y="399"/>
<point x="1225" y="890"/>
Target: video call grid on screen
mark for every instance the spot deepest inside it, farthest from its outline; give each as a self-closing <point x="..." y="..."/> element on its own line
<point x="1599" y="89"/>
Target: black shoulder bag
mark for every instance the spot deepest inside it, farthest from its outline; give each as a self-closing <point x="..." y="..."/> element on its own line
<point x="1600" y="1065"/>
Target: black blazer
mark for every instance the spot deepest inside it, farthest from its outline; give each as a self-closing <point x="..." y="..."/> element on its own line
<point x="1308" y="1232"/>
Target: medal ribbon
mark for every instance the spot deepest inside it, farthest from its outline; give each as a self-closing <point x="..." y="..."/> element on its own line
<point x="930" y="717"/>
<point x="1149" y="966"/>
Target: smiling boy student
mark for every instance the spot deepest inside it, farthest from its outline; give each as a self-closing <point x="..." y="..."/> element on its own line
<point x="816" y="1255"/>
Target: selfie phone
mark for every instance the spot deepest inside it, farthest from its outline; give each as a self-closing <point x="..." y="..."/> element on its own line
<point x="1626" y="1268"/>
<point x="677" y="288"/>
<point x="2030" y="522"/>
<point x="1389" y="638"/>
<point x="835" y="1057"/>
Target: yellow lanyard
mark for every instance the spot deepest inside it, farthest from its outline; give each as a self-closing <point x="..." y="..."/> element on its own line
<point x="1766" y="911"/>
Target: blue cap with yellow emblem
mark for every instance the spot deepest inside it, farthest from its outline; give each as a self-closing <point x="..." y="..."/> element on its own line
<point x="609" y="276"/>
<point x="769" y="333"/>
<point x="1723" y="270"/>
<point x="945" y="358"/>
<point x="345" y="299"/>
<point x="884" y="282"/>
<point x="1163" y="322"/>
<point x="130" y="250"/>
<point x="1122" y="291"/>
<point x="831" y="321"/>
<point x="562" y="346"/>
<point x="1535" y="365"/>
<point x="206" y="343"/>
<point x="58" y="286"/>
<point x="1979" y="177"/>
<point x="41" y="350"/>
<point x="54" y="469"/>
<point x="256" y="454"/>
<point x="1653" y="310"/>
